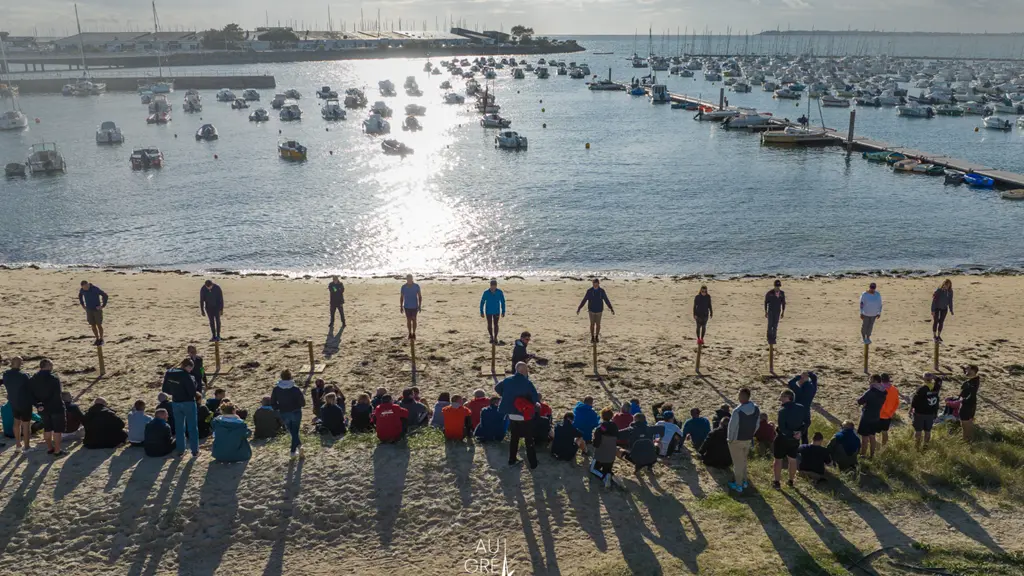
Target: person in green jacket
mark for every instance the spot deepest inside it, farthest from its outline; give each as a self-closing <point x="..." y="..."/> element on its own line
<point x="230" y="436"/>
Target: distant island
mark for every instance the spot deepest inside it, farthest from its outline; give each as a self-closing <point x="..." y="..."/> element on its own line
<point x="878" y="33"/>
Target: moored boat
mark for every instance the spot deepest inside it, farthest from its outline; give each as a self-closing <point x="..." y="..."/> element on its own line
<point x="145" y="158"/>
<point x="395" y="148"/>
<point x="207" y="132"/>
<point x="291" y="150"/>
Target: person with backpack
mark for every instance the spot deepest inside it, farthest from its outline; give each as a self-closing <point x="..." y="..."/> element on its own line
<point x="743" y="425"/>
<point x="639" y="439"/>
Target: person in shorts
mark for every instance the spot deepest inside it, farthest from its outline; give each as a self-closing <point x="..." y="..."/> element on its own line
<point x="924" y="408"/>
<point x="46" y="393"/>
<point x="93" y="300"/>
<point x="19" y="395"/>
<point x="787" y="441"/>
<point x="410" y="301"/>
<point x="595" y="299"/>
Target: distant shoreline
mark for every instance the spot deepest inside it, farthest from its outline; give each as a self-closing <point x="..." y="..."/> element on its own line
<point x="879" y="33"/>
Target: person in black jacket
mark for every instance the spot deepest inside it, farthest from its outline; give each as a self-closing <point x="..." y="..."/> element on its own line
<point x="519" y="353"/>
<point x="19" y="395"/>
<point x="924" y="407"/>
<point x="73" y="416"/>
<point x="969" y="400"/>
<point x="595" y="299"/>
<point x="103" y="427"/>
<point x="211" y="305"/>
<point x="289" y="400"/>
<point x="702" y="312"/>
<point x="714" y="451"/>
<point x="159" y="440"/>
<point x="774" y="310"/>
<point x="316" y="396"/>
<point x="198" y="370"/>
<point x="204" y="420"/>
<point x="332" y="416"/>
<point x="181" y="386"/>
<point x="46" y="393"/>
<point x="361" y="412"/>
<point x="337" y="291"/>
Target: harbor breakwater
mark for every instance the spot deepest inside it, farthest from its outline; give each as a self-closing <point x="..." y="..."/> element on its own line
<point x="131" y="83"/>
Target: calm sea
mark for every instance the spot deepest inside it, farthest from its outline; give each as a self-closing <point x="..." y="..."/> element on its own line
<point x="656" y="192"/>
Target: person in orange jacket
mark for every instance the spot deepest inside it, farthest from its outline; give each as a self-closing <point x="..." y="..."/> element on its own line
<point x="889" y="408"/>
<point x="457" y="420"/>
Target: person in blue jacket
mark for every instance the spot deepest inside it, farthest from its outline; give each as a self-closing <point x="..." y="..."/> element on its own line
<point x="510" y="389"/>
<point x="585" y="418"/>
<point x="493" y="425"/>
<point x="159" y="440"/>
<point x="805" y="388"/>
<point x="492" y="303"/>
<point x="230" y="436"/>
<point x="93" y="300"/>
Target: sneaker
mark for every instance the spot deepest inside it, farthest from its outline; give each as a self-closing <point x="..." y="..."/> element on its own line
<point x="295" y="454"/>
<point x="607" y="480"/>
<point x="789" y="483"/>
<point x="593" y="340"/>
<point x="512" y="463"/>
<point x="213" y="339"/>
<point x="700" y="341"/>
<point x="17" y="449"/>
<point x="736" y="487"/>
<point x="99" y="342"/>
<point x="96" y="342"/>
<point x="597" y="338"/>
<point x="776" y="485"/>
<point x="50" y="451"/>
<point x="746" y="484"/>
<point x="867" y="340"/>
<point x="60" y="454"/>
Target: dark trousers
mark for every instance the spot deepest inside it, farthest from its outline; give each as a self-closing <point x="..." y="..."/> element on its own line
<point x="773" y="327"/>
<point x="521" y="429"/>
<point x="492" y="325"/>
<point x="214" y="319"/>
<point x="805" y="433"/>
<point x="341" y="312"/>
<point x="702" y="326"/>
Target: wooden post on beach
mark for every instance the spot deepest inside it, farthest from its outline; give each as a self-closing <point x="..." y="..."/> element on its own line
<point x="312" y="367"/>
<point x="849" y="137"/>
<point x="595" y="372"/>
<point x="935" y="357"/>
<point x="218" y="368"/>
<point x="99" y="356"/>
<point x="866" y="353"/>
<point x="493" y="372"/>
<point x="696" y="364"/>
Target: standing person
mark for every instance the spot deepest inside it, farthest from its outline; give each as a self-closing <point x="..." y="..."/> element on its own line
<point x="93" y="300"/>
<point x="942" y="302"/>
<point x="924" y="407"/>
<point x="411" y="302"/>
<point x="870" y="417"/>
<point x="46" y="393"/>
<point x="510" y="389"/>
<point x="702" y="312"/>
<point x="492" y="303"/>
<point x="179" y="383"/>
<point x="198" y="370"/>
<point x="595" y="299"/>
<point x="870" y="310"/>
<point x="743" y="425"/>
<point x="19" y="396"/>
<point x="889" y="407"/>
<point x="805" y="388"/>
<point x="211" y="305"/>
<point x="337" y="291"/>
<point x="787" y="442"/>
<point x="519" y="353"/>
<point x="774" y="310"/>
<point x="288" y="400"/>
<point x="969" y="400"/>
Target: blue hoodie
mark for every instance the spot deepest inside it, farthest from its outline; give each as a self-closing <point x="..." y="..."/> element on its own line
<point x="230" y="439"/>
<point x="515" y="386"/>
<point x="804" y="395"/>
<point x="492" y="303"/>
<point x="585" y="419"/>
<point x="849" y="440"/>
<point x="492" y="427"/>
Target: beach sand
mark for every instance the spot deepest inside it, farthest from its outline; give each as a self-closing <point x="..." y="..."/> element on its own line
<point x="353" y="507"/>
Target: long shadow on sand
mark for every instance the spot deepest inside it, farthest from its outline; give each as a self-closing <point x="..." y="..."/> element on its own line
<point x="121" y="463"/>
<point x="137" y="490"/>
<point x="214" y="520"/>
<point x="459" y="459"/>
<point x="669" y="532"/>
<point x="148" y="555"/>
<point x="795" y="557"/>
<point x="830" y="534"/>
<point x="390" y="466"/>
<point x="17" y="506"/>
<point x="332" y="343"/>
<point x="953" y="515"/>
<point x="292" y="488"/>
<point x="77" y="467"/>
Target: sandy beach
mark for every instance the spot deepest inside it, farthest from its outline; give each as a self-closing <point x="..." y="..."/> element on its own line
<point x="353" y="507"/>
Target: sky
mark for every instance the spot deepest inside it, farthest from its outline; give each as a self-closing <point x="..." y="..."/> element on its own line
<point x="546" y="17"/>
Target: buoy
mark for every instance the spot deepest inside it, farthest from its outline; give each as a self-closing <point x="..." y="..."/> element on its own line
<point x="327" y="129"/>
<point x="214" y="156"/>
<point x="542" y="101"/>
<point x="588" y="145"/>
<point x="278" y="131"/>
<point x="543" y="125"/>
<point x="175" y="135"/>
<point x="541" y="109"/>
<point x="331" y="152"/>
<point x="975" y="128"/>
<point x="38" y="120"/>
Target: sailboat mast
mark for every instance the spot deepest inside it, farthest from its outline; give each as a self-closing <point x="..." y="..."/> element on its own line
<point x="156" y="36"/>
<point x="81" y="42"/>
<point x="10" y="83"/>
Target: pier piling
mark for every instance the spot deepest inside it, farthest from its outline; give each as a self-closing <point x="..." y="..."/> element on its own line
<point x="849" y="137"/>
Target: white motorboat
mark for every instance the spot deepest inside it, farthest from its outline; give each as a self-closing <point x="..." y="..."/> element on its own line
<point x="975" y="109"/>
<point x="293" y="94"/>
<point x="495" y="121"/>
<point x="712" y="76"/>
<point x="542" y="72"/>
<point x="510" y="141"/>
<point x="354" y="98"/>
<point x="259" y="115"/>
<point x="453" y="98"/>
<point x="290" y="112"/>
<point x="192" y="103"/>
<point x="332" y="110"/>
<point x="278" y="101"/>
<point x="207" y="133"/>
<point x="250" y="95"/>
<point x="45" y="158"/>
<point x="411" y="124"/>
<point x="159" y="104"/>
<point x="997" y="123"/>
<point x="395" y="148"/>
<point x="915" y="110"/>
<point x="326" y="93"/>
<point x="787" y="94"/>
<point x="518" y="73"/>
<point x="376" y="124"/>
<point x="109" y="133"/>
<point x="576" y="73"/>
<point x="769" y="86"/>
<point x="747" y="120"/>
<point x="146" y="97"/>
<point x="888" y="98"/>
<point x="659" y="94"/>
<point x="13" y="120"/>
<point x="387" y="88"/>
<point x="415" y="110"/>
<point x="830" y="101"/>
<point x="741" y="87"/>
<point x="381" y="108"/>
<point x="716" y="115"/>
<point x="239" y="104"/>
<point x="797" y="136"/>
<point x="225" y="95"/>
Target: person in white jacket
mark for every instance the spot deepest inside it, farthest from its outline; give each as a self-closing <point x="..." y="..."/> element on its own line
<point x="742" y="426"/>
<point x="870" y="310"/>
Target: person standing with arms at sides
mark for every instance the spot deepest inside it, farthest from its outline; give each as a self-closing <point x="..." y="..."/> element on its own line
<point x="46" y="393"/>
<point x="337" y="290"/>
<point x="211" y="305"/>
<point x="181" y="386"/>
<point x="787" y="442"/>
<point x="702" y="312"/>
<point x="942" y="302"/>
<point x="871" y="403"/>
<point x="411" y="302"/>
<point x="94" y="301"/>
<point x="870" y="310"/>
<point x="198" y="371"/>
<point x="742" y="426"/>
<point x="519" y="353"/>
<point x="19" y="396"/>
<point x="492" y="303"/>
<point x="595" y="299"/>
<point x="774" y="310"/>
<point x="511" y="389"/>
<point x="969" y="400"/>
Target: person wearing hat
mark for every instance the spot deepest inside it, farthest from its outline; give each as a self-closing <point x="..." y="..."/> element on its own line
<point x="774" y="310"/>
<point x="870" y="310"/>
<point x="492" y="303"/>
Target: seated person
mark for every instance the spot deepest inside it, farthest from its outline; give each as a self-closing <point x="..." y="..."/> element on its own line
<point x="418" y="412"/>
<point x="103" y="427"/>
<point x="458" y="420"/>
<point x="634" y="407"/>
<point x="670" y="437"/>
<point x="7" y="414"/>
<point x="606" y="436"/>
<point x="137" y="422"/>
<point x="623" y="419"/>
<point x="478" y="403"/>
<point x="567" y="440"/>
<point x="378" y="397"/>
<point x="844" y="447"/>
<point x="316" y="397"/>
<point x="204" y="417"/>
<point x="444" y="399"/>
<point x="390" y="420"/>
<point x="659" y="409"/>
<point x="541" y="422"/>
<point x="230" y="436"/>
<point x="72" y="414"/>
<point x="764" y="437"/>
<point x="714" y="452"/>
<point x="639" y="439"/>
<point x="493" y="423"/>
<point x="158" y="440"/>
<point x="585" y="418"/>
<point x="164" y="401"/>
<point x="696" y="428"/>
<point x="213" y="404"/>
<point x="267" y="421"/>
<point x="813" y="458"/>
<point x="723" y="412"/>
<point x="332" y="416"/>
<point x="362" y="414"/>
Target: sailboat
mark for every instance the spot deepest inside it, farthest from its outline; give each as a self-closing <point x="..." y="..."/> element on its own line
<point x="13" y="119"/>
<point x="800" y="135"/>
<point x="85" y="86"/>
<point x="159" y="86"/>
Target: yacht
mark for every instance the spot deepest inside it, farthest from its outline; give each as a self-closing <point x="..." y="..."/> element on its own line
<point x="239" y="104"/>
<point x="13" y="120"/>
<point x="290" y="112"/>
<point x="259" y="115"/>
<point x="145" y="158"/>
<point x="659" y="94"/>
<point x="45" y="158"/>
<point x="225" y="95"/>
<point x="109" y="133"/>
<point x="542" y="72"/>
<point x="376" y="124"/>
<point x="712" y="76"/>
<point x="915" y="110"/>
<point x="997" y="123"/>
<point x="797" y="136"/>
<point x="510" y="141"/>
<point x="387" y="88"/>
<point x="379" y="107"/>
<point x="495" y="121"/>
<point x="250" y="95"/>
<point x="332" y="110"/>
<point x="741" y="87"/>
<point x="325" y="93"/>
<point x="747" y="119"/>
<point x="206" y="132"/>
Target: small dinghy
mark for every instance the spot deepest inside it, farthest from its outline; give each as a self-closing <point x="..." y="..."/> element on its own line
<point x="978" y="181"/>
<point x="395" y="148"/>
<point x="206" y="132"/>
<point x="411" y="124"/>
<point x="1017" y="194"/>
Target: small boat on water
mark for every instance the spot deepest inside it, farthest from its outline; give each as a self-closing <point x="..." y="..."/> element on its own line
<point x="395" y="148"/>
<point x="354" y="98"/>
<point x="518" y="74"/>
<point x="978" y="181"/>
<point x="915" y="110"/>
<point x="159" y="103"/>
<point x="293" y="94"/>
<point x="997" y="123"/>
<point x="453" y="98"/>
<point x="192" y="103"/>
<point x="446" y="85"/>
<point x="830" y="101"/>
<point x="290" y="112"/>
<point x="259" y="115"/>
<point x="415" y="110"/>
<point x="659" y="94"/>
<point x="794" y="135"/>
<point x="949" y="110"/>
<point x="748" y="119"/>
<point x="15" y="170"/>
<point x="381" y="108"/>
<point x="787" y="94"/>
<point x="510" y="140"/>
<point x="708" y="114"/>
<point x="332" y="110"/>
<point x="225" y="95"/>
<point x="109" y="133"/>
<point x="206" y="132"/>
<point x="146" y="158"/>
<point x="158" y="118"/>
<point x="954" y="177"/>
<point x="918" y="167"/>
<point x="387" y="88"/>
<point x="1017" y="194"/>
<point x="239" y="104"/>
<point x="325" y="93"/>
<point x="411" y="124"/>
<point x="250" y="95"/>
<point x="13" y="120"/>
<point x="685" y="105"/>
<point x="375" y="124"/>
<point x="542" y="72"/>
<point x="278" y="101"/>
<point x="291" y="150"/>
<point x="883" y="156"/>
<point x="45" y="158"/>
<point x="495" y="121"/>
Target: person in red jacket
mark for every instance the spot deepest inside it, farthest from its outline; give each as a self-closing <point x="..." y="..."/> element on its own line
<point x="389" y="420"/>
<point x="478" y="403"/>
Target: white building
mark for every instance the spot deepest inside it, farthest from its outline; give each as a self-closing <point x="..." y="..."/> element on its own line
<point x="131" y="42"/>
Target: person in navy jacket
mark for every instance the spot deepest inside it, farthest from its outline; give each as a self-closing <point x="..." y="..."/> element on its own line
<point x="211" y="305"/>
